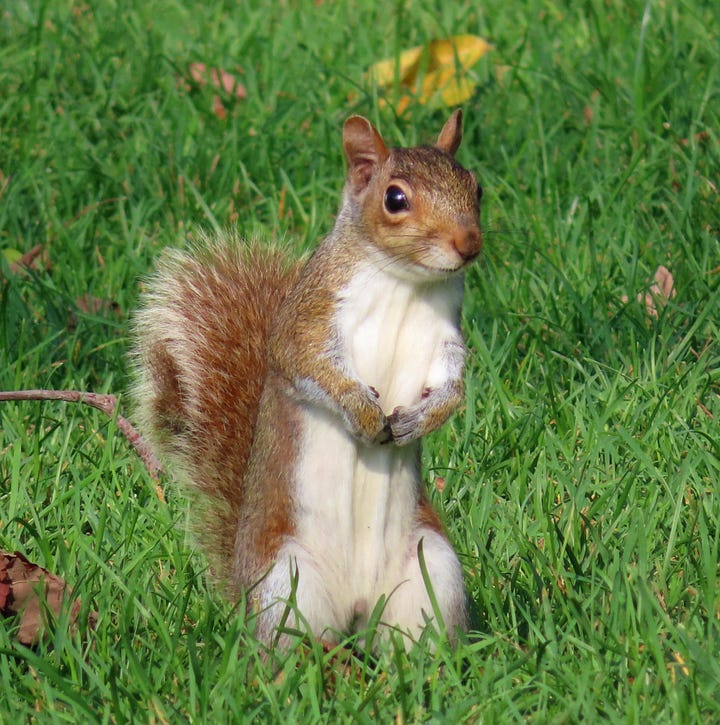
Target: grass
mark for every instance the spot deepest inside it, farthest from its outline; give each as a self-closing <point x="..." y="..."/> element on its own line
<point x="581" y="478"/>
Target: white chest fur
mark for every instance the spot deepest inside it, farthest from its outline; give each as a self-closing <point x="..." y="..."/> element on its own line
<point x="394" y="330"/>
<point x="357" y="502"/>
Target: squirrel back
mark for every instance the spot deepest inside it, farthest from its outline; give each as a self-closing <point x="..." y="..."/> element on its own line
<point x="200" y="363"/>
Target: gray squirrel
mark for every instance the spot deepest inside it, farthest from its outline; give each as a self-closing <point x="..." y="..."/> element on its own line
<point x="293" y="396"/>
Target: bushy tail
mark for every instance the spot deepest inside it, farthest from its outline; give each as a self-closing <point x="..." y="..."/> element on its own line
<point x="200" y="360"/>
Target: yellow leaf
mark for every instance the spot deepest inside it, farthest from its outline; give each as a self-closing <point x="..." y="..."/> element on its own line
<point x="11" y="255"/>
<point x="405" y="66"/>
<point x="460" y="50"/>
<point x="435" y="74"/>
<point x="457" y="91"/>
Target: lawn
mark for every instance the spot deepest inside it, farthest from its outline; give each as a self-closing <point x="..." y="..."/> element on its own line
<point x="579" y="483"/>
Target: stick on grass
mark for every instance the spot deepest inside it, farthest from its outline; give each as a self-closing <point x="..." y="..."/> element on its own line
<point x="105" y="402"/>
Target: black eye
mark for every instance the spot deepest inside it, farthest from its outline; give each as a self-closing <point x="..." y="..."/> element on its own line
<point x="479" y="193"/>
<point x="395" y="200"/>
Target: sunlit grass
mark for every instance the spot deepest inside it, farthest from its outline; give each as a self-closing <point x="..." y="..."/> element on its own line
<point x="580" y="481"/>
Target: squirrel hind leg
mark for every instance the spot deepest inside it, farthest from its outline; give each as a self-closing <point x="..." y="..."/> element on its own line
<point x="293" y="598"/>
<point x="410" y="606"/>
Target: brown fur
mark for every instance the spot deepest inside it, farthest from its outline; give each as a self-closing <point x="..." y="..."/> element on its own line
<point x="267" y="518"/>
<point x="202" y="359"/>
<point x="426" y="516"/>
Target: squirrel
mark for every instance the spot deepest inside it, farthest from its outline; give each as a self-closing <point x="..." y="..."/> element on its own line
<point x="292" y="396"/>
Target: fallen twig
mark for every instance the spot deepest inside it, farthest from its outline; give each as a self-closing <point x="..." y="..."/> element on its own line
<point x="105" y="402"/>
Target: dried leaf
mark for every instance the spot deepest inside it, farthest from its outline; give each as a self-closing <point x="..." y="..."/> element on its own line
<point x="222" y="80"/>
<point x="36" y="258"/>
<point x="434" y="74"/>
<point x="701" y="137"/>
<point x="665" y="284"/>
<point x="218" y="108"/>
<point x="227" y="82"/>
<point x="5" y="589"/>
<point x="32" y="592"/>
<point x="96" y="306"/>
<point x="405" y="67"/>
<point x="659" y="294"/>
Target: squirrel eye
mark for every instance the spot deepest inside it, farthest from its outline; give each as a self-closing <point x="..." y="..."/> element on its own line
<point x="479" y="193"/>
<point x="396" y="200"/>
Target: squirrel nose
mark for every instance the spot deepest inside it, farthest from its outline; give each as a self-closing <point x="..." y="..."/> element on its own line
<point x="468" y="243"/>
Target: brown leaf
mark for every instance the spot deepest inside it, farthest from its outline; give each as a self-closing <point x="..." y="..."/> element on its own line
<point x="222" y="80"/>
<point x="700" y="137"/>
<point x="664" y="286"/>
<point x="31" y="591"/>
<point x="659" y="294"/>
<point x="36" y="259"/>
<point x="95" y="305"/>
<point x="218" y="108"/>
<point x="5" y="590"/>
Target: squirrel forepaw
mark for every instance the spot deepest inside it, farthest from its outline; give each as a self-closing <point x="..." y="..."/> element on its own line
<point x="405" y="424"/>
<point x="408" y="423"/>
<point x="365" y="419"/>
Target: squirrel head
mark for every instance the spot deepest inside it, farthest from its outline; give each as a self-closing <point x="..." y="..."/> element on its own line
<point x="417" y="206"/>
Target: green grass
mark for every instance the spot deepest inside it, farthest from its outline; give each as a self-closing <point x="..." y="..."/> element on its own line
<point x="581" y="479"/>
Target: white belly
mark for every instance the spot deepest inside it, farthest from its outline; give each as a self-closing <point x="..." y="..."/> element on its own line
<point x="357" y="509"/>
<point x="356" y="503"/>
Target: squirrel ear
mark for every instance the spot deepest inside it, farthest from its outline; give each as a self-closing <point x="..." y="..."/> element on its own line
<point x="364" y="150"/>
<point x="451" y="134"/>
